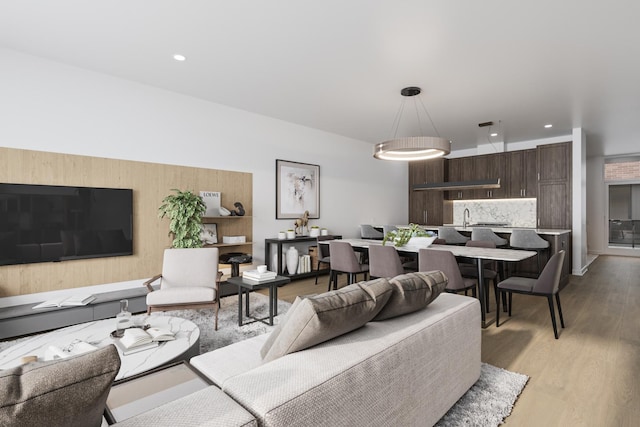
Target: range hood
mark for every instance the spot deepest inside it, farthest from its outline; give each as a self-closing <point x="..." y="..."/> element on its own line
<point x="479" y="184"/>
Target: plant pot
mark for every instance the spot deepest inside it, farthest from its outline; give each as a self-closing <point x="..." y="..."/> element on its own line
<point x="291" y="234"/>
<point x="314" y="232"/>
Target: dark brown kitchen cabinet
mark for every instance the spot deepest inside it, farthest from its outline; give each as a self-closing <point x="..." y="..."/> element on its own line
<point x="460" y="169"/>
<point x="426" y="207"/>
<point x="523" y="175"/>
<point x="490" y="166"/>
<point x="554" y="185"/>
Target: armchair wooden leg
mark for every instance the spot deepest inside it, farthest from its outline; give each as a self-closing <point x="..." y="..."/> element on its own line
<point x="553" y="315"/>
<point x="559" y="309"/>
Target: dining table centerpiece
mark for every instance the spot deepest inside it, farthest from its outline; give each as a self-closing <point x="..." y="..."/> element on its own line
<point x="413" y="236"/>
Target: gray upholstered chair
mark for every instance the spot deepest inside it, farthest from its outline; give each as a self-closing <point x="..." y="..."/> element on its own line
<point x="546" y="285"/>
<point x="529" y="240"/>
<point x="324" y="254"/>
<point x="433" y="259"/>
<point x="451" y="236"/>
<point x="384" y="261"/>
<point x="482" y="233"/>
<point x="368" y="232"/>
<point x="490" y="270"/>
<point x="344" y="260"/>
<point x="190" y="279"/>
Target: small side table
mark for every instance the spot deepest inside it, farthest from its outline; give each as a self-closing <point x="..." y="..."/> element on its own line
<point x="247" y="286"/>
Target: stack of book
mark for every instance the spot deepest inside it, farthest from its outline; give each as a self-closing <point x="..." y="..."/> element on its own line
<point x="255" y="276"/>
<point x="304" y="264"/>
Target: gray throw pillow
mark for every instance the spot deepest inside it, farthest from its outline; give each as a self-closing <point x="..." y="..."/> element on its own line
<point x="322" y="317"/>
<point x="64" y="392"/>
<point x="412" y="292"/>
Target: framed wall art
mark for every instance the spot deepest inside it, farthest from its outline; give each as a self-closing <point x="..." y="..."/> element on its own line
<point x="297" y="189"/>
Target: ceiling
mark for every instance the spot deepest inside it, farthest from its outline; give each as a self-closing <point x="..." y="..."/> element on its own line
<point x="339" y="65"/>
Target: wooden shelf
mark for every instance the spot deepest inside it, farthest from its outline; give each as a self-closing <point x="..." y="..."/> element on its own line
<point x="213" y="219"/>
<point x="221" y="245"/>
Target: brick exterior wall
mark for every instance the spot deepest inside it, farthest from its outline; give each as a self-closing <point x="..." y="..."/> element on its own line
<point x="622" y="171"/>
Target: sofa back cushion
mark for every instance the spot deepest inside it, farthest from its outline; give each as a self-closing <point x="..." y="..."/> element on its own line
<point x="322" y="317"/>
<point x="412" y="292"/>
<point x="63" y="392"/>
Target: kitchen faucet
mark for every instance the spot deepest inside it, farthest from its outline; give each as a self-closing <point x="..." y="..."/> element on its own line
<point x="465" y="217"/>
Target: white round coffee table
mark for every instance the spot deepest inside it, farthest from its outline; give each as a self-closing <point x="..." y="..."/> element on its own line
<point x="185" y="346"/>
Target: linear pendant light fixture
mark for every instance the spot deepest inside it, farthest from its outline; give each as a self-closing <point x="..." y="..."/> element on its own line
<point x="412" y="147"/>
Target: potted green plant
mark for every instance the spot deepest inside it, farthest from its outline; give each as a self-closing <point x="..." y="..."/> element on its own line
<point x="402" y="236"/>
<point x="185" y="210"/>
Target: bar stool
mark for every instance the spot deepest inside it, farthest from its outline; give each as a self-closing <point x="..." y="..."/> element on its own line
<point x="451" y="236"/>
<point x="530" y="241"/>
<point x="486" y="234"/>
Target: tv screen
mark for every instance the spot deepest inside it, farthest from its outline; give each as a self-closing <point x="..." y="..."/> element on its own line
<point x="43" y="223"/>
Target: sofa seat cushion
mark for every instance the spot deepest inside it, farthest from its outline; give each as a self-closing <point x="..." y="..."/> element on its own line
<point x="408" y="370"/>
<point x="185" y="295"/>
<point x="412" y="292"/>
<point x="208" y="407"/>
<point x="63" y="392"/>
<point x="319" y="318"/>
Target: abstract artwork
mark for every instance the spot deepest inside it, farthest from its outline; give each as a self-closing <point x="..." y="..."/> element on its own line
<point x="297" y="189"/>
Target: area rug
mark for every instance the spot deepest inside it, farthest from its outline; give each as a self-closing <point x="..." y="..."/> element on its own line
<point x="487" y="403"/>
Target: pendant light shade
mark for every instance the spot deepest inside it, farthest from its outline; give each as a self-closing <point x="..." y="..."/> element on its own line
<point x="412" y="147"/>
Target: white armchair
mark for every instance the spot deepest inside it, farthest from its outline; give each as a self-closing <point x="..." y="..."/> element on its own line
<point x="190" y="279"/>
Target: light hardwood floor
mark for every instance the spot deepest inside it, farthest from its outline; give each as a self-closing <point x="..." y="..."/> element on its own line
<point x="588" y="377"/>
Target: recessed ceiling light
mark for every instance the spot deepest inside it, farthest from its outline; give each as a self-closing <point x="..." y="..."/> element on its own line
<point x="494" y="134"/>
<point x="179" y="57"/>
<point x="548" y="125"/>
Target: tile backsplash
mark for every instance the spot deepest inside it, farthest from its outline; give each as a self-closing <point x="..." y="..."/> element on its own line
<point x="514" y="212"/>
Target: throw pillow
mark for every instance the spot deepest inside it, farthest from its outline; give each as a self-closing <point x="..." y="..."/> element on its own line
<point x="322" y="317"/>
<point x="412" y="292"/>
<point x="63" y="392"/>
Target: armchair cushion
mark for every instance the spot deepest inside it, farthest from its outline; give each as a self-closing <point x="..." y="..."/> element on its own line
<point x="63" y="392"/>
<point x="412" y="292"/>
<point x="322" y="317"/>
<point x="172" y="296"/>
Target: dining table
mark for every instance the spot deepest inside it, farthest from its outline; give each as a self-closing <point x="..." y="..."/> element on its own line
<point x="479" y="255"/>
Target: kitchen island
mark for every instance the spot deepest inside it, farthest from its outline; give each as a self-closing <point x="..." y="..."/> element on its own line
<point x="558" y="239"/>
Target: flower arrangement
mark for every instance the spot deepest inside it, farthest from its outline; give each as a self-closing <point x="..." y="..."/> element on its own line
<point x="402" y="236"/>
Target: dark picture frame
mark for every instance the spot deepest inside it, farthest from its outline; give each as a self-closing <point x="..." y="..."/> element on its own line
<point x="297" y="189"/>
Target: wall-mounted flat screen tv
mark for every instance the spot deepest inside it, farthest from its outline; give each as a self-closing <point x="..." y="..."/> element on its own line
<point x="44" y="223"/>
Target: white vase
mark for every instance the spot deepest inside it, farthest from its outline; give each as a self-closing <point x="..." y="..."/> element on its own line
<point x="292" y="260"/>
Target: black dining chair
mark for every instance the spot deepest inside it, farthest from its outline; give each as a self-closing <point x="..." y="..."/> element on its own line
<point x="489" y="273"/>
<point x="324" y="255"/>
<point x="546" y="285"/>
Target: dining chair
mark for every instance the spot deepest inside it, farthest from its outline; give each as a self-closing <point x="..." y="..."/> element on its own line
<point x="490" y="271"/>
<point x="367" y="231"/>
<point x="344" y="260"/>
<point x="529" y="240"/>
<point x="384" y="261"/>
<point x="324" y="254"/>
<point x="546" y="285"/>
<point x="482" y="233"/>
<point x="452" y="236"/>
<point x="433" y="259"/>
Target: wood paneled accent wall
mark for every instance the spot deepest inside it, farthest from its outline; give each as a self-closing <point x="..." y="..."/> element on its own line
<point x="150" y="182"/>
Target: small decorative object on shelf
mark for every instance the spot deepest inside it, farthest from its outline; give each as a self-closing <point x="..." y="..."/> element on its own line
<point x="239" y="211"/>
<point x="209" y="234"/>
<point x="324" y="232"/>
<point x="212" y="200"/>
<point x="282" y="235"/>
<point x="315" y="231"/>
<point x="302" y="223"/>
<point x="291" y="234"/>
<point x="292" y="260"/>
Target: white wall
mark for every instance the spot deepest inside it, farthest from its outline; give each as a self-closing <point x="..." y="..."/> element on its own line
<point x="49" y="106"/>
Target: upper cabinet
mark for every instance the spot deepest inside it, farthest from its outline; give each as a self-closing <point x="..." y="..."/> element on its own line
<point x="554" y="186"/>
<point x="461" y="169"/>
<point x="523" y="176"/>
<point x="491" y="166"/>
<point x="426" y="207"/>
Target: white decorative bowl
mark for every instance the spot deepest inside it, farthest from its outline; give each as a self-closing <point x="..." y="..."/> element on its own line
<point x="420" y="242"/>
